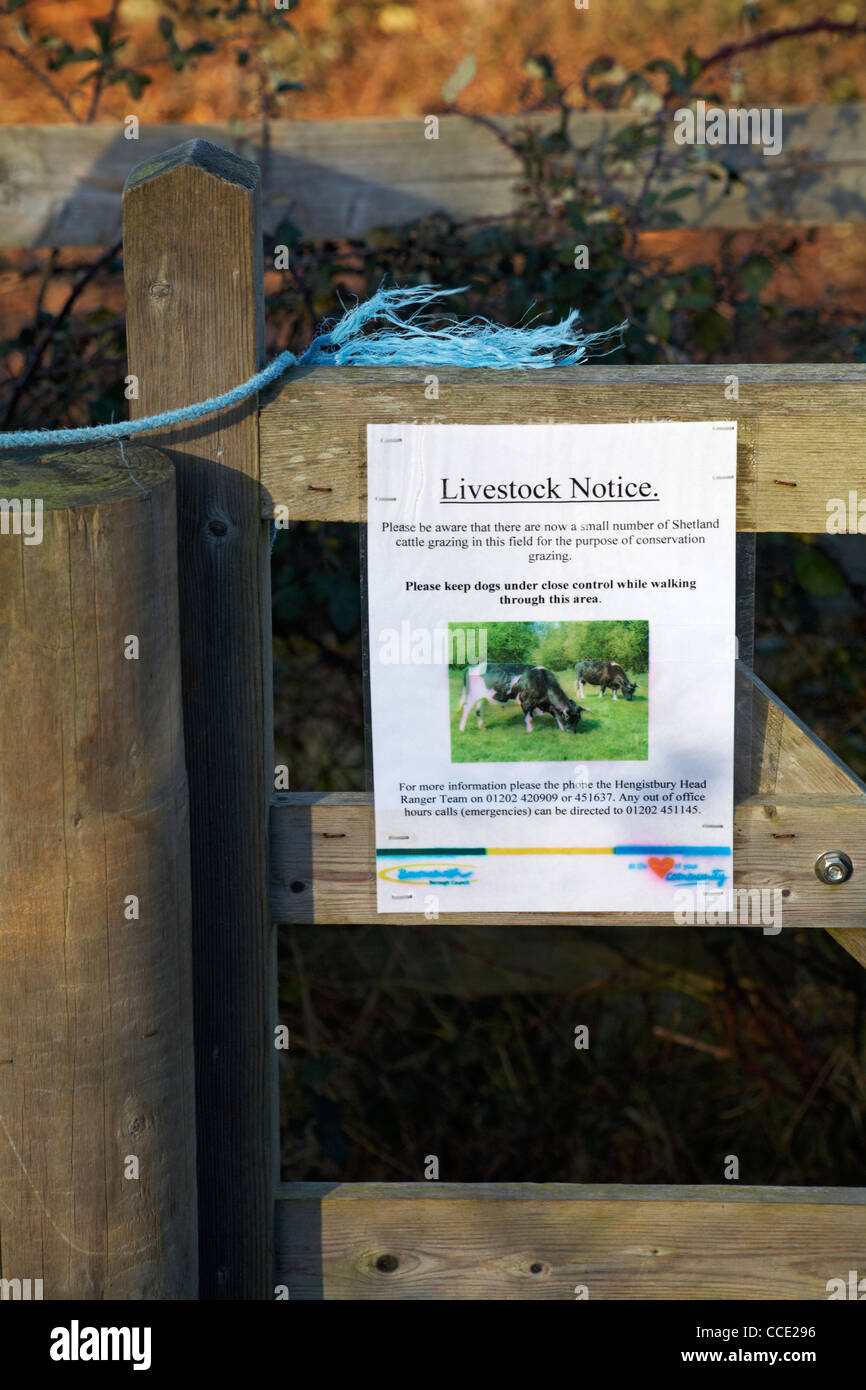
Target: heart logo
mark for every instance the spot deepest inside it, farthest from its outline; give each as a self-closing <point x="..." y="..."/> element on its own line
<point x="661" y="866"/>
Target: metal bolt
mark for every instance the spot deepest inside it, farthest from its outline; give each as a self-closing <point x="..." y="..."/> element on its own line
<point x="834" y="866"/>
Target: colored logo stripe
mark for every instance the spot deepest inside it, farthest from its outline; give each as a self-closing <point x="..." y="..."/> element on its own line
<point x="616" y="849"/>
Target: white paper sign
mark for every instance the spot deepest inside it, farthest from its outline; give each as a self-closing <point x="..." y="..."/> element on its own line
<point x="551" y="627"/>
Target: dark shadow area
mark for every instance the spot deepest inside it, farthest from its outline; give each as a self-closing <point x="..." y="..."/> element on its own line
<point x="703" y="1043"/>
<point x="460" y="1043"/>
<point x="298" y="1244"/>
<point x="318" y="687"/>
<point x="810" y="634"/>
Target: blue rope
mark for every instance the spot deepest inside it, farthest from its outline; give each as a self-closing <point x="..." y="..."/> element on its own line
<point x="415" y="340"/>
<point x="123" y="429"/>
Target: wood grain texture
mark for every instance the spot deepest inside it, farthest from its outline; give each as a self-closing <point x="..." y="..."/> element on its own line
<point x="322" y="865"/>
<point x="539" y="1241"/>
<point x="96" y="1035"/>
<point x="342" y="178"/>
<point x="195" y="325"/>
<point x="790" y="461"/>
<point x="853" y="941"/>
<point x="778" y="755"/>
<point x="795" y="799"/>
<point x="784" y="756"/>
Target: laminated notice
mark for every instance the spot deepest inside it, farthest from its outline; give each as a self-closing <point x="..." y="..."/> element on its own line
<point x="552" y="648"/>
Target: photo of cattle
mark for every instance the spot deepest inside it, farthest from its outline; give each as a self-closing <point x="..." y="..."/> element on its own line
<point x="607" y="675"/>
<point x="527" y="692"/>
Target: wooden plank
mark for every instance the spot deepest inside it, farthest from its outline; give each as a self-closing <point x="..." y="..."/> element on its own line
<point x="437" y="1191"/>
<point x="784" y="755"/>
<point x="96" y="1021"/>
<point x="785" y="758"/>
<point x="853" y="941"/>
<point x="795" y="799"/>
<point x="790" y="464"/>
<point x="434" y="1240"/>
<point x="195" y="323"/>
<point x="322" y="865"/>
<point x="342" y="178"/>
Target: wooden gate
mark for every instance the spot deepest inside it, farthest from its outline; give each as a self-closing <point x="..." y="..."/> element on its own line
<point x="194" y="280"/>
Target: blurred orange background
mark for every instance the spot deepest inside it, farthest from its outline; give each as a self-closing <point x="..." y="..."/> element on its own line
<point x="378" y="58"/>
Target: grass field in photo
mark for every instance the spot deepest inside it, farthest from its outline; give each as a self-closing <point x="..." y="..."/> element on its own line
<point x="613" y="731"/>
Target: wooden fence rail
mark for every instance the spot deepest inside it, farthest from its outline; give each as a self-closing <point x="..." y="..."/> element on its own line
<point x="427" y="1240"/>
<point x="342" y="178"/>
<point x="789" y="464"/>
<point x="792" y="795"/>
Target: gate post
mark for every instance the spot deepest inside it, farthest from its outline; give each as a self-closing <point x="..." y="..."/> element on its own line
<point x="97" y="1122"/>
<point x="195" y="321"/>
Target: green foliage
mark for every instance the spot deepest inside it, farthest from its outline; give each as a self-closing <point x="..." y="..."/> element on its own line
<point x="459" y="78"/>
<point x="181" y="35"/>
<point x="725" y="307"/>
<point x="817" y="573"/>
<point x="562" y="644"/>
<point x="605" y="196"/>
<point x="554" y="645"/>
<point x="497" y="641"/>
<point x="68" y="368"/>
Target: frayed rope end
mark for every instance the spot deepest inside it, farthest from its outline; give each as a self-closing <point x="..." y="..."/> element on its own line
<point x="421" y="339"/>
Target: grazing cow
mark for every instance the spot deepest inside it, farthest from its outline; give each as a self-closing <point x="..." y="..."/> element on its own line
<point x="534" y="688"/>
<point x="607" y="674"/>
